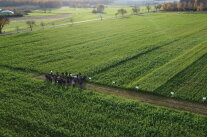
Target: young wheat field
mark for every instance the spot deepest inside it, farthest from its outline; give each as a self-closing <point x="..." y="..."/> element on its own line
<point x="157" y="53"/>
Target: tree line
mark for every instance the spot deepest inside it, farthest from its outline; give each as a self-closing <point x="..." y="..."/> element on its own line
<point x="186" y="5"/>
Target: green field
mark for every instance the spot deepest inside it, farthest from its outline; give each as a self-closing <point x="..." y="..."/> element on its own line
<point x="159" y="52"/>
<point x="148" y="53"/>
<point x="56" y="16"/>
<point x="35" y="108"/>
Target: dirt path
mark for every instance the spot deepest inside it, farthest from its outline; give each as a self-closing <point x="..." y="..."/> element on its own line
<point x="147" y="98"/>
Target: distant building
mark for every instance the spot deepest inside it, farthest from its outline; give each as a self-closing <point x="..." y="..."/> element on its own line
<point x="6" y="12"/>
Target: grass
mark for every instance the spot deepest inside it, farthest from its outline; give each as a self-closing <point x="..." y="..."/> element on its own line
<point x="148" y="53"/>
<point x="192" y="78"/>
<point x="160" y="53"/>
<point x="36" y="108"/>
<point x="78" y="14"/>
<point x="159" y="76"/>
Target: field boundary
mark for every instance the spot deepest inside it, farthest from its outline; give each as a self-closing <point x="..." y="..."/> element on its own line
<point x="143" y="97"/>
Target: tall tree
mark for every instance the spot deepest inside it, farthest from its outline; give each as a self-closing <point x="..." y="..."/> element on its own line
<point x="158" y="6"/>
<point x="100" y="8"/>
<point x="200" y="7"/>
<point x="3" y="21"/>
<point x="135" y="10"/>
<point x="122" y="11"/>
<point x="179" y="6"/>
<point x="31" y="24"/>
<point x="17" y="28"/>
<point x="42" y="24"/>
<point x="148" y="7"/>
<point x="195" y="4"/>
<point x="72" y="20"/>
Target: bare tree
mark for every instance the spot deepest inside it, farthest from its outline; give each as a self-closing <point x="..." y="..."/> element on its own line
<point x="122" y="11"/>
<point x="3" y="21"/>
<point x="53" y="23"/>
<point x="148" y="7"/>
<point x="31" y="24"/>
<point x="189" y="6"/>
<point x="158" y="7"/>
<point x="42" y="24"/>
<point x="45" y="10"/>
<point x="179" y="6"/>
<point x="101" y="17"/>
<point x="195" y="5"/>
<point x="71" y="20"/>
<point x="17" y="28"/>
<point x="100" y="8"/>
<point x="116" y="14"/>
<point x="135" y="10"/>
<point x="200" y="7"/>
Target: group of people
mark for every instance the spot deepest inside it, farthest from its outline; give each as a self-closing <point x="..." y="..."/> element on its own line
<point x="66" y="78"/>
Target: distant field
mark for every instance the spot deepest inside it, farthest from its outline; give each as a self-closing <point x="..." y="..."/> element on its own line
<point x="152" y="51"/>
<point x="158" y="52"/>
<point x="57" y="16"/>
<point x="35" y="108"/>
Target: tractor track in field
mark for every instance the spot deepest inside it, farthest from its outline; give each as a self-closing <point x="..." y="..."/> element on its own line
<point x="145" y="97"/>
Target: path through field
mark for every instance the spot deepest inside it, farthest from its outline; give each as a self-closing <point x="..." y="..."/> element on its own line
<point x="146" y="98"/>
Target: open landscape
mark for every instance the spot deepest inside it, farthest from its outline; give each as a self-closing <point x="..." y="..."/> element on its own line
<point x="133" y="63"/>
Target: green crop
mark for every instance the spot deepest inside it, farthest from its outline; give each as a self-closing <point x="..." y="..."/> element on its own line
<point x="35" y="108"/>
<point x="147" y="51"/>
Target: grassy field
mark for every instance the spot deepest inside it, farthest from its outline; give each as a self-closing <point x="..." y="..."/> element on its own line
<point x="61" y="16"/>
<point x="35" y="108"/>
<point x="192" y="78"/>
<point x="159" y="52"/>
<point x="148" y="51"/>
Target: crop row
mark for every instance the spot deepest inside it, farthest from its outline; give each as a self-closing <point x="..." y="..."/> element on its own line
<point x="189" y="83"/>
<point x="108" y="51"/>
<point x="35" y="108"/>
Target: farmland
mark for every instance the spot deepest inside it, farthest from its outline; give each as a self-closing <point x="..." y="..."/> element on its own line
<point x="35" y="108"/>
<point x="61" y="16"/>
<point x="149" y="53"/>
<point x="157" y="52"/>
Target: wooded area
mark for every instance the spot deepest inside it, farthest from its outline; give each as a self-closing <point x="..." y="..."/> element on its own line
<point x="186" y="5"/>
